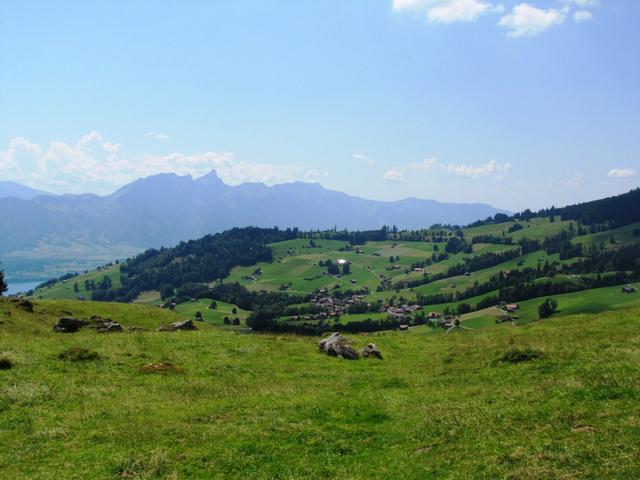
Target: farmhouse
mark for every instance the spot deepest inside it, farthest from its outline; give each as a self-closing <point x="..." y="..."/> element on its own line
<point x="512" y="307"/>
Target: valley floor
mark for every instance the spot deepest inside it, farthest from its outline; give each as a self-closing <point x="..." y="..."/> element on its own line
<point x="242" y="405"/>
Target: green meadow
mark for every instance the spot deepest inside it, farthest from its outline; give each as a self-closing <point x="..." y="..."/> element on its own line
<point x="239" y="405"/>
<point x="65" y="289"/>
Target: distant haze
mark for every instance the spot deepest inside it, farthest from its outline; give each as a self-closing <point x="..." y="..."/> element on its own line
<point x="165" y="209"/>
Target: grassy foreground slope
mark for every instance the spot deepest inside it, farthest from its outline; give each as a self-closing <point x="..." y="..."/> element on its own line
<point x="268" y="406"/>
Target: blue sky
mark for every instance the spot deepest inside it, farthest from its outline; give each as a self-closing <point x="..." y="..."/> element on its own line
<point x="518" y="104"/>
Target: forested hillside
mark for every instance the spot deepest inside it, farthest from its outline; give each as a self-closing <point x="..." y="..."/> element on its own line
<point x="314" y="281"/>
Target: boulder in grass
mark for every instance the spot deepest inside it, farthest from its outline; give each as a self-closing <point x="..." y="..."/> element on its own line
<point x="371" y="350"/>
<point x="336" y="345"/>
<point x="104" y="325"/>
<point x="68" y="325"/>
<point x="184" y="325"/>
<point x="109" y="327"/>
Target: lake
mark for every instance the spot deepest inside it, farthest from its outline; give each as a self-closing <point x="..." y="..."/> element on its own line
<point x="17" y="287"/>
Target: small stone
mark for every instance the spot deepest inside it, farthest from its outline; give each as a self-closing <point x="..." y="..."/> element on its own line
<point x="583" y="429"/>
<point x="371" y="350"/>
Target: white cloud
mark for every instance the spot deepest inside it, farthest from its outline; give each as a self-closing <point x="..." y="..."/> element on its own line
<point x="458" y="11"/>
<point x="586" y="3"/>
<point x="394" y="175"/>
<point x="21" y="151"/>
<point x="409" y="4"/>
<point x="423" y="166"/>
<point x="575" y="181"/>
<point x="94" y="164"/>
<point x="314" y="175"/>
<point x="447" y="11"/>
<point x="527" y="20"/>
<point x="158" y="135"/>
<point x="621" y="173"/>
<point x="491" y="168"/>
<point x="582" y="16"/>
<point x="363" y="158"/>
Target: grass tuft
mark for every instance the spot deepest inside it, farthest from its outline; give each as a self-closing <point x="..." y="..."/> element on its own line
<point x="517" y="355"/>
<point x="78" y="354"/>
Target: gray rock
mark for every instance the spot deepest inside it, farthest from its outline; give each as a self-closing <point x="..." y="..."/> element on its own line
<point x="336" y="345"/>
<point x="371" y="351"/>
<point x="68" y="325"/>
<point x="184" y="325"/>
<point x="109" y="327"/>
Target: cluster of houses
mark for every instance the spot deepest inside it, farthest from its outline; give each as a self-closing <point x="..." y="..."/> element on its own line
<point x="400" y="310"/>
<point x="332" y="307"/>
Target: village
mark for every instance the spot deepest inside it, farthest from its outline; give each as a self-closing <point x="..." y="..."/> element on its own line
<point x="327" y="306"/>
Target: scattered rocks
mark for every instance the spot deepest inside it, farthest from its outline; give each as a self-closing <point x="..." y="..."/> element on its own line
<point x="184" y="325"/>
<point x="336" y="345"/>
<point x="371" y="351"/>
<point x="68" y="325"/>
<point x="110" y="327"/>
<point x="105" y="325"/>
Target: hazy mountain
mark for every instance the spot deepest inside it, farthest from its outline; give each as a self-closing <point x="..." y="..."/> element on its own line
<point x="13" y="189"/>
<point x="165" y="209"/>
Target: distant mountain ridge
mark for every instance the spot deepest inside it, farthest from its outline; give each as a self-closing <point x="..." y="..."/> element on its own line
<point x="16" y="190"/>
<point x="165" y="209"/>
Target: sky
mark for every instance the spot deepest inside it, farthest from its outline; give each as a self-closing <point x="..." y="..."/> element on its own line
<point x="519" y="104"/>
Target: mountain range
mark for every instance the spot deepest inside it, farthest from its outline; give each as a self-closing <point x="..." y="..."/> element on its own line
<point x="13" y="189"/>
<point x="165" y="209"/>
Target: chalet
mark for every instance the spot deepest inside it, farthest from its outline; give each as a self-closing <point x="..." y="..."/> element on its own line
<point x="446" y="323"/>
<point x="512" y="307"/>
<point x="404" y="327"/>
<point x="418" y="269"/>
<point x="629" y="289"/>
<point x="434" y="315"/>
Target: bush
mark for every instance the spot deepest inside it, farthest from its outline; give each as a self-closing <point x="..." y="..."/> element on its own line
<point x="517" y="355"/>
<point x="547" y="308"/>
<point x="5" y="363"/>
<point x="78" y="354"/>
